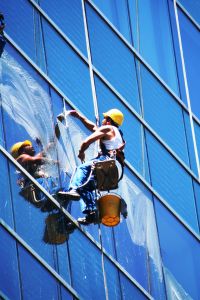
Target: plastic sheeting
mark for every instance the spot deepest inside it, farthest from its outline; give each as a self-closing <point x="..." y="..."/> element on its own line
<point x="174" y="289"/>
<point x="25" y="100"/>
<point x="141" y="221"/>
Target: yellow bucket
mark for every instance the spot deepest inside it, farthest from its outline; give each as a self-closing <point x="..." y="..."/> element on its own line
<point x="109" y="209"/>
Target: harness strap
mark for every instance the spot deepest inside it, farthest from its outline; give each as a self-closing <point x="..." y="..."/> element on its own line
<point x="117" y="154"/>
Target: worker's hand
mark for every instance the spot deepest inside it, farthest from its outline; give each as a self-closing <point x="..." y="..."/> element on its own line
<point x="74" y="113"/>
<point x="60" y="117"/>
<point x="81" y="155"/>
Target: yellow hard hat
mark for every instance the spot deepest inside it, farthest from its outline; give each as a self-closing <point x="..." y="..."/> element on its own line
<point x="116" y="115"/>
<point x="15" y="148"/>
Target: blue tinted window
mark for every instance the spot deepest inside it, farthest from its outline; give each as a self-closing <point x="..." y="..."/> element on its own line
<point x="86" y="267"/>
<point x="67" y="70"/>
<point x="5" y="193"/>
<point x="197" y="196"/>
<point x="191" y="48"/>
<point x="151" y="25"/>
<point x="117" y="11"/>
<point x="112" y="58"/>
<point x="197" y="133"/>
<point x="193" y="7"/>
<point x="39" y="284"/>
<point x="172" y="182"/>
<point x="129" y="291"/>
<point x="112" y="280"/>
<point x="164" y="115"/>
<point x="190" y="142"/>
<point x="68" y="17"/>
<point x="9" y="264"/>
<point x="25" y="101"/>
<point x="177" y="52"/>
<point x="137" y="248"/>
<point x="39" y="223"/>
<point x="20" y="25"/>
<point x="180" y="256"/>
<point x="1" y="131"/>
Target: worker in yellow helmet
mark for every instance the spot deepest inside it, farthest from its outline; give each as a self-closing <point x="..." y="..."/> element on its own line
<point x="24" y="153"/>
<point x="111" y="140"/>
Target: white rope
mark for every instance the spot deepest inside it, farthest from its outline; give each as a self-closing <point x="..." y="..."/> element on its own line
<point x="140" y="90"/>
<point x="90" y="66"/>
<point x="97" y="123"/>
<point x="187" y="89"/>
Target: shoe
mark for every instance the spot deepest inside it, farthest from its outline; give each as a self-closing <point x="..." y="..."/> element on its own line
<point x="89" y="219"/>
<point x="71" y="194"/>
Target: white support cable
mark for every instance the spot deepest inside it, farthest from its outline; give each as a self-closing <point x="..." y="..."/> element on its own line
<point x="140" y="89"/>
<point x="97" y="123"/>
<point x="187" y="88"/>
<point x="90" y="65"/>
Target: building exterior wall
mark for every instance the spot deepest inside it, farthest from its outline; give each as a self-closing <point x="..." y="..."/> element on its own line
<point x="93" y="56"/>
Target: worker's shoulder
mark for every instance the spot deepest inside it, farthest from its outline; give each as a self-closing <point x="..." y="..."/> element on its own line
<point x="105" y="128"/>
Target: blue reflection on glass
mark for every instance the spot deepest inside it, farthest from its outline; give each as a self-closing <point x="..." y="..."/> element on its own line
<point x="9" y="266"/>
<point x="68" y="17"/>
<point x="113" y="58"/>
<point x="191" y="48"/>
<point x="37" y="284"/>
<point x="86" y="267"/>
<point x="180" y="256"/>
<point x="172" y="182"/>
<point x="193" y="7"/>
<point x="68" y="71"/>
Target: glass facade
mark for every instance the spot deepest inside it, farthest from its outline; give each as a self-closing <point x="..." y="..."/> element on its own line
<point x="92" y="56"/>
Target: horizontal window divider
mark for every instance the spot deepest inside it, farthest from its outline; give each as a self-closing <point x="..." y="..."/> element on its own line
<point x="164" y="202"/>
<point x="184" y="10"/>
<point x="78" y="227"/>
<point x="38" y="258"/>
<point x="142" y="60"/>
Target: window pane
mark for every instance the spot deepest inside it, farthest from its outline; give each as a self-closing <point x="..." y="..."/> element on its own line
<point x="191" y="48"/>
<point x="193" y="7"/>
<point x="197" y="132"/>
<point x="119" y="286"/>
<point x="5" y="193"/>
<point x="151" y="24"/>
<point x="86" y="267"/>
<point x="172" y="182"/>
<point x="9" y="264"/>
<point x="129" y="291"/>
<point x="38" y="284"/>
<point x="117" y="11"/>
<point x="112" y="58"/>
<point x="180" y="255"/>
<point x="164" y="114"/>
<point x="67" y="70"/>
<point x="68" y="17"/>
